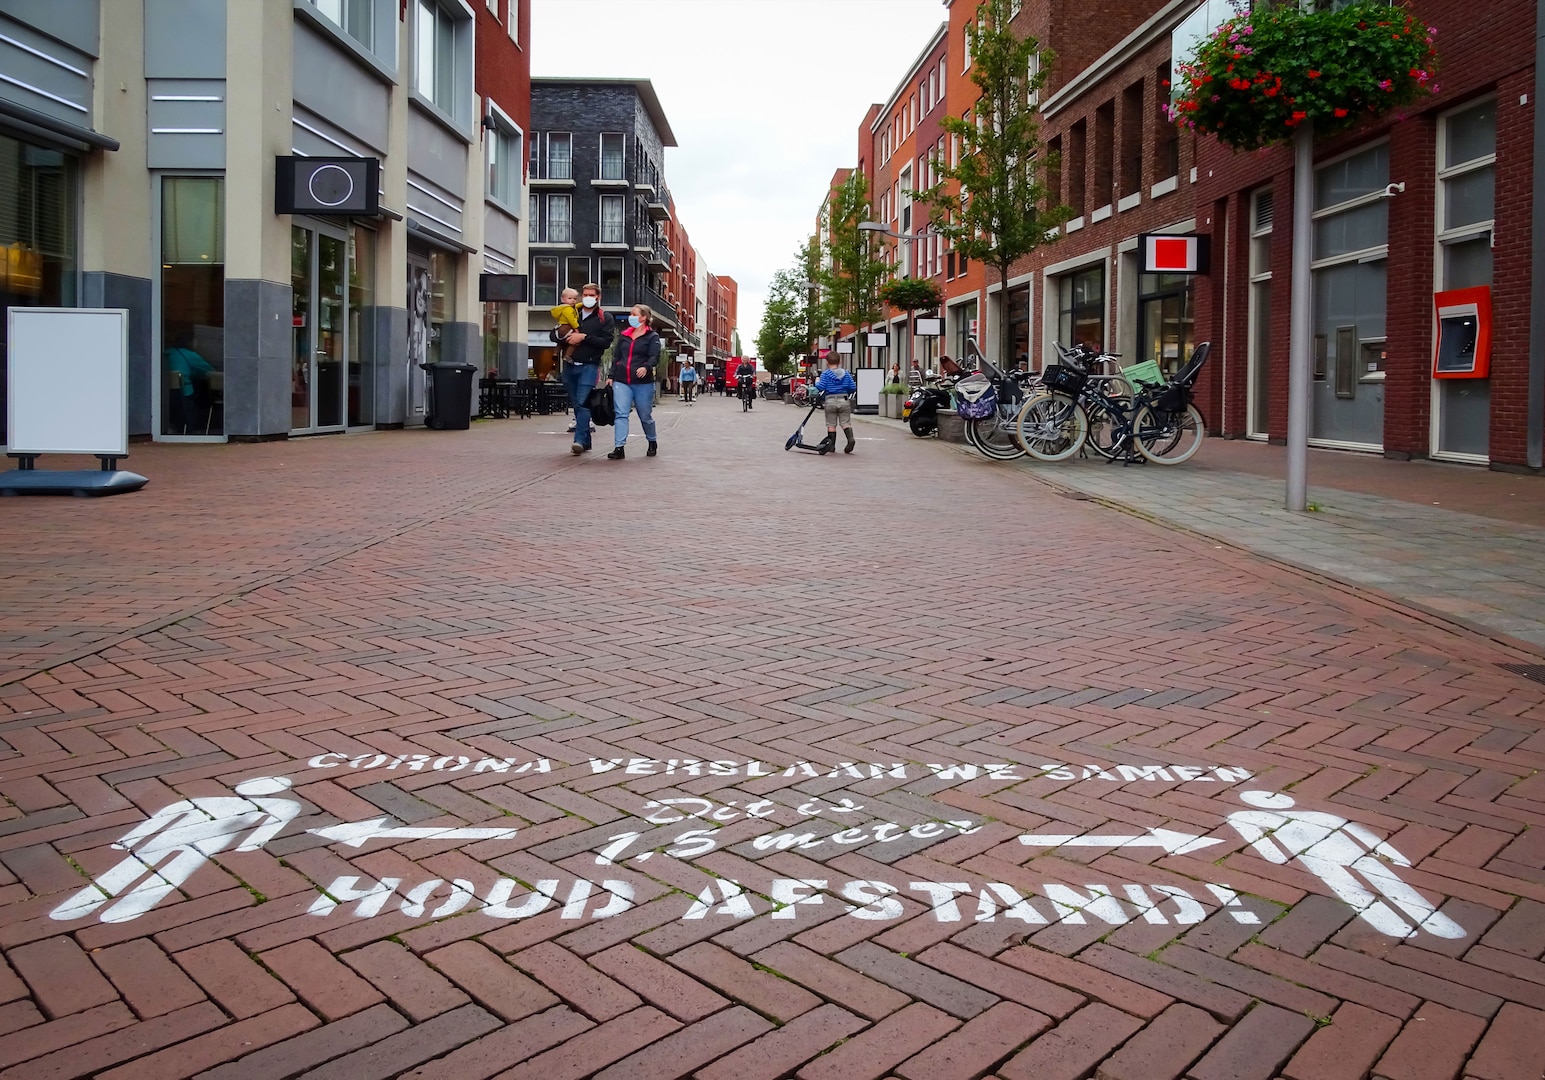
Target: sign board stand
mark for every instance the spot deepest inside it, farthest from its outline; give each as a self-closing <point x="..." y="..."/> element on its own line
<point x="68" y="395"/>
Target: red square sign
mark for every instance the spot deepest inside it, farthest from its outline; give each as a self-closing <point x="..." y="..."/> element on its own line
<point x="1173" y="254"/>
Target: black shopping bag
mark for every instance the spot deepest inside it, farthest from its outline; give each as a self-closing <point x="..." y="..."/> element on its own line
<point x="602" y="406"/>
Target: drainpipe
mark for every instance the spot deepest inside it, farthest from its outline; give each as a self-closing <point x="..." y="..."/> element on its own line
<point x="1536" y="412"/>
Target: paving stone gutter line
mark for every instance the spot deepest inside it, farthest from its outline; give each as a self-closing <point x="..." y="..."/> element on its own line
<point x="1482" y="574"/>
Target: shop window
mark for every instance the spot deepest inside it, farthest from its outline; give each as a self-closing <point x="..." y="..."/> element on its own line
<point x="1131" y="140"/>
<point x="1351" y="237"/>
<point x="192" y="306"/>
<point x="1081" y="308"/>
<point x="362" y="368"/>
<point x="544" y="281"/>
<point x="964" y="315"/>
<point x="1165" y="320"/>
<point x="442" y="300"/>
<point x="613" y="157"/>
<point x="39" y="195"/>
<point x="1018" y="320"/>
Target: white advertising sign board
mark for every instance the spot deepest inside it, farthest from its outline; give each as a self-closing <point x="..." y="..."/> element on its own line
<point x="69" y="381"/>
<point x="869" y="380"/>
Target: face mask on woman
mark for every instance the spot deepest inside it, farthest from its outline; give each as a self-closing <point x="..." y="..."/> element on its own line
<point x="635" y="322"/>
<point x="589" y="301"/>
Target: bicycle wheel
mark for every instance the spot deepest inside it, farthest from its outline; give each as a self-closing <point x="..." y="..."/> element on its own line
<point x="1168" y="438"/>
<point x="993" y="437"/>
<point x="1106" y="426"/>
<point x="1051" y="427"/>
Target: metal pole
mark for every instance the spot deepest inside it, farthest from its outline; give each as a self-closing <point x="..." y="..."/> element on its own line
<point x="1301" y="316"/>
<point x="1535" y="447"/>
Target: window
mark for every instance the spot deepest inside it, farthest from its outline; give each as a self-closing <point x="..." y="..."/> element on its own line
<point x="192" y="305"/>
<point x="1351" y="236"/>
<point x="1165" y="320"/>
<point x="504" y="160"/>
<point x="611" y="283"/>
<point x="1076" y="140"/>
<point x="1261" y="217"/>
<point x="560" y="156"/>
<point x="613" y="220"/>
<point x="493" y="6"/>
<point x="1467" y="181"/>
<point x="1054" y="170"/>
<point x="964" y="316"/>
<point x="1032" y="91"/>
<point x="544" y="281"/>
<point x="1104" y="155"/>
<point x="354" y="17"/>
<point x="577" y="272"/>
<point x="437" y="66"/>
<point x="513" y="21"/>
<point x="1081" y="308"/>
<point x="613" y="157"/>
<point x="1131" y="140"/>
<point x="557" y="221"/>
<point x="1166" y="146"/>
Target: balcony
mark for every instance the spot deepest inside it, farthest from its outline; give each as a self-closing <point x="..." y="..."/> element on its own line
<point x="612" y="237"/>
<point x="659" y="257"/>
<point x="660" y="204"/>
<point x="552" y="234"/>
<point x="552" y="174"/>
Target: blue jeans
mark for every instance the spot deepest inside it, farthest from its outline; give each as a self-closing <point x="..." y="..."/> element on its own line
<point x="630" y="396"/>
<point x="579" y="380"/>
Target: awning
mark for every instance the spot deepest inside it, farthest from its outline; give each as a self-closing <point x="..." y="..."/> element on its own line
<point x="437" y="238"/>
<point x="46" y="126"/>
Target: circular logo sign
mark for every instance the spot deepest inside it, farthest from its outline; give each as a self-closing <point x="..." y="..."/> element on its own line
<point x="331" y="185"/>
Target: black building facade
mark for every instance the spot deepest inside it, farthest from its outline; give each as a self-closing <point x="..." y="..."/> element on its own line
<point x="600" y="210"/>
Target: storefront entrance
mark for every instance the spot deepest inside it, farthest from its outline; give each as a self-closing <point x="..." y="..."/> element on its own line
<point x="319" y="264"/>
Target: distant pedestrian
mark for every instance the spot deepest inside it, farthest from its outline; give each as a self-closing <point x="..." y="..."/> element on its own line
<point x="193" y="373"/>
<point x="688" y="381"/>
<point x="583" y="365"/>
<point x="632" y="380"/>
<point x="914" y="376"/>
<point x="838" y="388"/>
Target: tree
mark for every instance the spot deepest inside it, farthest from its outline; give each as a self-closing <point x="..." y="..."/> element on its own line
<point x="785" y="330"/>
<point x="850" y="275"/>
<point x="992" y="204"/>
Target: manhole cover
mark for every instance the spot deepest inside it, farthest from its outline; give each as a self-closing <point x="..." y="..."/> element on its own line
<point x="1532" y="672"/>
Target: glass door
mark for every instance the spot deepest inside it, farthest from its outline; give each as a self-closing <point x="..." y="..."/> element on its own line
<point x="319" y="322"/>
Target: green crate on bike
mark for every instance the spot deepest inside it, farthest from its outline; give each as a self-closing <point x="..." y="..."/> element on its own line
<point x="1146" y="372"/>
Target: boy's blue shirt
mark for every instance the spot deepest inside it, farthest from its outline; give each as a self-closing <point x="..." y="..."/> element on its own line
<point x="836" y="381"/>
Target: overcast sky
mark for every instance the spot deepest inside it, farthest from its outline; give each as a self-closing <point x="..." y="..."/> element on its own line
<point x="765" y="98"/>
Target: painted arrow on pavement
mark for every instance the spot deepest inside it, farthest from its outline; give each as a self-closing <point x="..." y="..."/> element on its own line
<point x="1176" y="843"/>
<point x="358" y="833"/>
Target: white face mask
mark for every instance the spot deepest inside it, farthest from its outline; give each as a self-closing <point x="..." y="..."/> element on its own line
<point x="589" y="301"/>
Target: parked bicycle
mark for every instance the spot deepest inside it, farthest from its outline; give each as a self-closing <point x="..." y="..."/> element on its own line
<point x="989" y="401"/>
<point x="1157" y="422"/>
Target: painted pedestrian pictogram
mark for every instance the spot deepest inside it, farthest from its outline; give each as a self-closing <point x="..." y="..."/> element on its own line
<point x="166" y="849"/>
<point x="1339" y="852"/>
<point x="1355" y="864"/>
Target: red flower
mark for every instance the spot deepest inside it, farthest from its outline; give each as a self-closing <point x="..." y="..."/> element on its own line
<point x="1313" y="74"/>
<point x="1341" y="112"/>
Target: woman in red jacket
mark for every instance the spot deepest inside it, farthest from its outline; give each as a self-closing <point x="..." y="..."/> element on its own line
<point x="633" y="379"/>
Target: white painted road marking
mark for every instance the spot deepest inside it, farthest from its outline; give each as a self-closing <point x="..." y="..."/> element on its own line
<point x="359" y="833"/>
<point x="1176" y="843"/>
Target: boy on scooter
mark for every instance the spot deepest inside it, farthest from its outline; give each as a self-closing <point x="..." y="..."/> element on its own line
<point x="838" y="387"/>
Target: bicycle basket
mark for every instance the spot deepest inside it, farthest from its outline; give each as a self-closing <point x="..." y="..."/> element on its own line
<point x="1062" y="379"/>
<point x="975" y="398"/>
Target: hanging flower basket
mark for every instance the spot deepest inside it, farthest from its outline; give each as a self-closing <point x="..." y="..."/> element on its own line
<point x="1264" y="73"/>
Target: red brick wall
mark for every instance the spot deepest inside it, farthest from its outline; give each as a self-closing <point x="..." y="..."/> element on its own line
<point x="503" y="65"/>
<point x="1477" y="56"/>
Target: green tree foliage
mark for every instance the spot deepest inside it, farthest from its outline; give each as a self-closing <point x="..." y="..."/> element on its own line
<point x="851" y="275"/>
<point x="911" y="294"/>
<point x="785" y="331"/>
<point x="993" y="204"/>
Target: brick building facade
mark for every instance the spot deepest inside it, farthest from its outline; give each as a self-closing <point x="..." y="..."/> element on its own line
<point x="1462" y="219"/>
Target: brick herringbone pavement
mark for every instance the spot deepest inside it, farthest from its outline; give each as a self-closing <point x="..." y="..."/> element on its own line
<point x="768" y="765"/>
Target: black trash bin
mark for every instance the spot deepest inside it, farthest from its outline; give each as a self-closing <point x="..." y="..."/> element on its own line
<point x="450" y="396"/>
